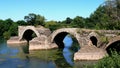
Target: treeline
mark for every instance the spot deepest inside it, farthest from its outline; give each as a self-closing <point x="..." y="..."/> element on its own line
<point x="106" y="16"/>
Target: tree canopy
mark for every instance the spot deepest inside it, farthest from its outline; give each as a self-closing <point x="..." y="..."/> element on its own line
<point x="33" y="19"/>
<point x="106" y="16"/>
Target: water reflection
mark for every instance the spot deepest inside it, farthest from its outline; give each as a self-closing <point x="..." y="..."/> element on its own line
<point x="67" y="53"/>
<point x="55" y="56"/>
<point x="25" y="48"/>
<point x="16" y="56"/>
<point x="68" y="56"/>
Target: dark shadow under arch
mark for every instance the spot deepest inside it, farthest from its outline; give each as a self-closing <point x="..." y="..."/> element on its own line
<point x="29" y="35"/>
<point x="94" y="40"/>
<point x="115" y="46"/>
<point x="59" y="39"/>
<point x="68" y="52"/>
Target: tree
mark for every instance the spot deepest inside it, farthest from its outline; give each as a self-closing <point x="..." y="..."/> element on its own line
<point x="107" y="15"/>
<point x="13" y="29"/>
<point x="7" y="35"/>
<point x="78" y="22"/>
<point x="68" y="20"/>
<point x="118" y="9"/>
<point x="1" y="27"/>
<point x="21" y="22"/>
<point x="88" y="23"/>
<point x="34" y="19"/>
<point x="7" y="23"/>
<point x="40" y="20"/>
<point x="30" y="19"/>
<point x="52" y="25"/>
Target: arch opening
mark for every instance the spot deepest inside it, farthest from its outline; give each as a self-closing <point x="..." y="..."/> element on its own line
<point x="94" y="40"/>
<point x="71" y="42"/>
<point x="68" y="45"/>
<point x="29" y="35"/>
<point x="59" y="39"/>
<point x="114" y="47"/>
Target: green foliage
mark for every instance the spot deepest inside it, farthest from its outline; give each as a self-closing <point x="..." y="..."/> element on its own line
<point x="40" y="20"/>
<point x="1" y="27"/>
<point x="21" y="22"/>
<point x="112" y="61"/>
<point x="6" y="24"/>
<point x="8" y="28"/>
<point x="106" y="16"/>
<point x="30" y="19"/>
<point x="104" y="39"/>
<point x="33" y="19"/>
<point x="6" y="34"/>
<point x="75" y="46"/>
<point x="67" y="21"/>
<point x="52" y="25"/>
<point x="78" y="22"/>
<point x="13" y="29"/>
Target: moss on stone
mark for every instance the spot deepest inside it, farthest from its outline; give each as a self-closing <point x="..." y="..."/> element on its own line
<point x="104" y="39"/>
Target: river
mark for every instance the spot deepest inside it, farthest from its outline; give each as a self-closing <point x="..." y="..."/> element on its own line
<point x="17" y="56"/>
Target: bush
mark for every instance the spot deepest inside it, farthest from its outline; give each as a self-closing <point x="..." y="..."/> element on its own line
<point x="112" y="61"/>
<point x="7" y="35"/>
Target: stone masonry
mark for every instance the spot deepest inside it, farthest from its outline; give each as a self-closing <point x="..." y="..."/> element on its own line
<point x="93" y="43"/>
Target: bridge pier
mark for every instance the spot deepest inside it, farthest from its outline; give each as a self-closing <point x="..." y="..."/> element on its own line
<point x="46" y="40"/>
<point x="90" y="53"/>
<point x="15" y="40"/>
<point x="40" y="43"/>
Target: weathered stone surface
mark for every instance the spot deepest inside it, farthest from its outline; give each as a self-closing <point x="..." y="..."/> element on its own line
<point x="47" y="40"/>
<point x="39" y="43"/>
<point x="90" y="53"/>
<point x="15" y="40"/>
<point x="37" y="30"/>
<point x="112" y="41"/>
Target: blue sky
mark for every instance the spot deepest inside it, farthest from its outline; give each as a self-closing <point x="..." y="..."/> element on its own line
<point x="51" y="9"/>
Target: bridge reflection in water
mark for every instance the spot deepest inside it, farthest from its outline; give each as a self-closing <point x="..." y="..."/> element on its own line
<point x="14" y="56"/>
<point x="61" y="57"/>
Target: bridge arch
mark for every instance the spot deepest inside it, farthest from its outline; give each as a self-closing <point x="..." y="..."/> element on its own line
<point x="59" y="35"/>
<point x="114" y="44"/>
<point x="27" y="32"/>
<point x="94" y="38"/>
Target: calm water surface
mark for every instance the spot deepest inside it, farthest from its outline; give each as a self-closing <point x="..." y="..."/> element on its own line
<point x="14" y="56"/>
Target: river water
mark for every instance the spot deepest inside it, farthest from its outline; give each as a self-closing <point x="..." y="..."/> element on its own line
<point x="17" y="56"/>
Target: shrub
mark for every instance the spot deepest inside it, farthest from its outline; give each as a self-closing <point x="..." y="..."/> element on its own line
<point x="112" y="61"/>
<point x="7" y="35"/>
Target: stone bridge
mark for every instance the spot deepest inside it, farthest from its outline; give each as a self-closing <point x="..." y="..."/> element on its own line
<point x="94" y="44"/>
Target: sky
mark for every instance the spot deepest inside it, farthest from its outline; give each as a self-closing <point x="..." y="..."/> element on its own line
<point x="57" y="10"/>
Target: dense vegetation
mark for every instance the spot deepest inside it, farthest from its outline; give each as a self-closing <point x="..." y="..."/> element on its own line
<point x="106" y="16"/>
<point x="112" y="61"/>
